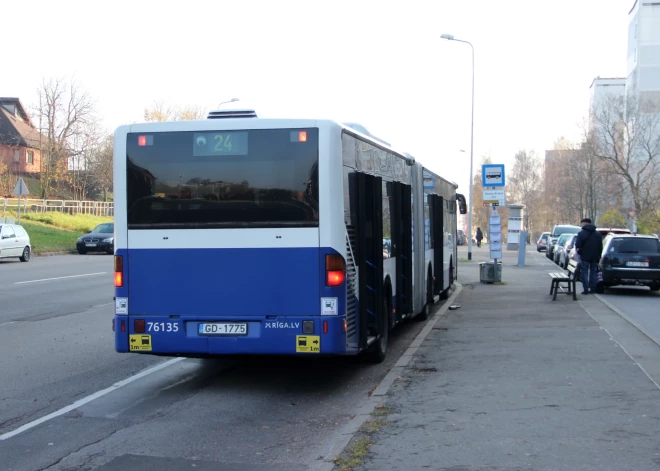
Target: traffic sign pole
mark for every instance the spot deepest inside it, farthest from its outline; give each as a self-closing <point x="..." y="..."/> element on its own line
<point x="20" y="189"/>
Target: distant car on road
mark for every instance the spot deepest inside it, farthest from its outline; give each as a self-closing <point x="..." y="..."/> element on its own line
<point x="15" y="242"/>
<point x="99" y="239"/>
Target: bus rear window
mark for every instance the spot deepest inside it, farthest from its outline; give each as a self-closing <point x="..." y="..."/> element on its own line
<point x="222" y="179"/>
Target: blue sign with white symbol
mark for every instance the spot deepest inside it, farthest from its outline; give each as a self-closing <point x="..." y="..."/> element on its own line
<point x="492" y="175"/>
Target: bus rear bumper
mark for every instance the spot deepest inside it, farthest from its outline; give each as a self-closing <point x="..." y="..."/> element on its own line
<point x="163" y="335"/>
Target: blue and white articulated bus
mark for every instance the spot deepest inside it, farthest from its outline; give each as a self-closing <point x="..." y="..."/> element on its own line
<point x="243" y="235"/>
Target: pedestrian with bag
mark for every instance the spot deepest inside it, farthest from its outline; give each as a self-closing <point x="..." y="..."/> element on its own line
<point x="589" y="246"/>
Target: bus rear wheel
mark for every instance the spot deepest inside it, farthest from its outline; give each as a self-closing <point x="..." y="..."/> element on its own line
<point x="378" y="350"/>
<point x="422" y="316"/>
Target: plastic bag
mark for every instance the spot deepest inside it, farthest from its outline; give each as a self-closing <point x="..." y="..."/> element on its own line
<point x="575" y="256"/>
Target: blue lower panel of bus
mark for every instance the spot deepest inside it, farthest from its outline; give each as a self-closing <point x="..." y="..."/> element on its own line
<point x="264" y="295"/>
<point x="283" y="335"/>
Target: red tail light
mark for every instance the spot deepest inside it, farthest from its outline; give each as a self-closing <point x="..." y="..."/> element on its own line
<point x="138" y="326"/>
<point x="335" y="270"/>
<point x="119" y="271"/>
<point x="325" y="327"/>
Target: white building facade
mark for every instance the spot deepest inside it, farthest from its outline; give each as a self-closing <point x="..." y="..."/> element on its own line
<point x="643" y="79"/>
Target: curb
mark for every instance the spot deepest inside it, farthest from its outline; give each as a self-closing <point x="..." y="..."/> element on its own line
<point x="364" y="412"/>
<point x="50" y="254"/>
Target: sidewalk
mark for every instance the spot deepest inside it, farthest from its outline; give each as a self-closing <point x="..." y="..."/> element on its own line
<point x="513" y="380"/>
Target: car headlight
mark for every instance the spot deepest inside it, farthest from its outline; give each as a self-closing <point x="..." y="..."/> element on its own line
<point x="79" y="239"/>
<point x="109" y="239"/>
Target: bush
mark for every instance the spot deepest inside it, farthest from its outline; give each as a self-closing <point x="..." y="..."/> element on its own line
<point x="612" y="218"/>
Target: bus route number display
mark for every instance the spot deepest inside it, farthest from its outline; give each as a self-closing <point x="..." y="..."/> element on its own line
<point x="220" y="143"/>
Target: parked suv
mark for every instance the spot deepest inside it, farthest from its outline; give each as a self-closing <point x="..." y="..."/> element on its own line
<point x="15" y="242"/>
<point x="614" y="230"/>
<point x="630" y="260"/>
<point x="558" y="230"/>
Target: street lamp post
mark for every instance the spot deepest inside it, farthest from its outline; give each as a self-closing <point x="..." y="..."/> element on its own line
<point x="229" y="101"/>
<point x="450" y="37"/>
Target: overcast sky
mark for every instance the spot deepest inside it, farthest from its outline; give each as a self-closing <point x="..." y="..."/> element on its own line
<point x="379" y="63"/>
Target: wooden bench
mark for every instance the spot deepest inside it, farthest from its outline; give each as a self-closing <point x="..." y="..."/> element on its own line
<point x="564" y="282"/>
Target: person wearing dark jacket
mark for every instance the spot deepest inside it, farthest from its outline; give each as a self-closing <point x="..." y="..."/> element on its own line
<point x="589" y="244"/>
<point x="480" y="236"/>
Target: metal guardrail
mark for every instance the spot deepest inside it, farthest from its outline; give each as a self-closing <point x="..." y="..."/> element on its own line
<point x="97" y="208"/>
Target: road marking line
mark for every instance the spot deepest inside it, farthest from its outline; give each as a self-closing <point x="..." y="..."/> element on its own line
<point x="61" y="278"/>
<point x="7" y="323"/>
<point x="101" y="305"/>
<point x="90" y="398"/>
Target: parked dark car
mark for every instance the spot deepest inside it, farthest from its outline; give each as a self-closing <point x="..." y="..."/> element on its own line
<point x="630" y="260"/>
<point x="99" y="239"/>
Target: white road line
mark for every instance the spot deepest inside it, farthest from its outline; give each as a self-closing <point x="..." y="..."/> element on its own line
<point x="101" y="305"/>
<point x="7" y="323"/>
<point x="90" y="398"/>
<point x="60" y="278"/>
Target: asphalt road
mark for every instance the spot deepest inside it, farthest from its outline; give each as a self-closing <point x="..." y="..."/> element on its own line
<point x="56" y="346"/>
<point x="56" y="335"/>
<point x="639" y="305"/>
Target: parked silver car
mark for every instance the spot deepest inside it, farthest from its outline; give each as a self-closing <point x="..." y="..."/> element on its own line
<point x="565" y="251"/>
<point x="542" y="243"/>
<point x="15" y="242"/>
<point x="559" y="246"/>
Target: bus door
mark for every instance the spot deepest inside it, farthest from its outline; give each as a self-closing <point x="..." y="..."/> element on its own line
<point x="436" y="205"/>
<point x="369" y="254"/>
<point x="402" y="248"/>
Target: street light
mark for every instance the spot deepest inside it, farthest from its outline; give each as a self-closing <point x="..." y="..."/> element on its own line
<point x="450" y="37"/>
<point x="230" y="101"/>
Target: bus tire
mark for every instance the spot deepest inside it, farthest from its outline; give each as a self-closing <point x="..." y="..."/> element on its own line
<point x="445" y="293"/>
<point x="426" y="310"/>
<point x="378" y="350"/>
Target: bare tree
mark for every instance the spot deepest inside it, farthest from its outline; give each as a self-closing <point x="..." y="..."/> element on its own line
<point x="103" y="166"/>
<point x="626" y="132"/>
<point x="81" y="163"/>
<point x="525" y="184"/>
<point x="64" y="111"/>
<point x="160" y="112"/>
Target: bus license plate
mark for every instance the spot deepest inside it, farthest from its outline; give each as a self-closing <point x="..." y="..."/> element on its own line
<point x="222" y="328"/>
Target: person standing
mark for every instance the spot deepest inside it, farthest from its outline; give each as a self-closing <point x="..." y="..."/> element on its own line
<point x="479" y="237"/>
<point x="589" y="244"/>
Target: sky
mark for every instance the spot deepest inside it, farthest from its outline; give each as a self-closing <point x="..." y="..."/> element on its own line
<point x="379" y="63"/>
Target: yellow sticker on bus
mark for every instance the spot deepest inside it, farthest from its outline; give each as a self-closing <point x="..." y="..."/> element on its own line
<point x="308" y="344"/>
<point x="139" y="342"/>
